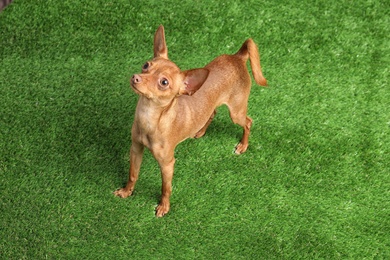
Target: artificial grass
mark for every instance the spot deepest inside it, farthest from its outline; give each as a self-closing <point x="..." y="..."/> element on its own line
<point x="314" y="182"/>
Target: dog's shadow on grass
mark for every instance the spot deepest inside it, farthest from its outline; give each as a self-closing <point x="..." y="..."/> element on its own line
<point x="96" y="139"/>
<point x="223" y="129"/>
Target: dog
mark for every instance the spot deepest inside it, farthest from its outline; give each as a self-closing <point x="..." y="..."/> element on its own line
<point x="174" y="105"/>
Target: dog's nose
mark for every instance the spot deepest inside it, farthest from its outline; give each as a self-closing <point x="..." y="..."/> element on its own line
<point x="136" y="79"/>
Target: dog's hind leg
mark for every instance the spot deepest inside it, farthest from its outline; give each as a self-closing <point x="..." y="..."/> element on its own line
<point x="243" y="144"/>
<point x="238" y="116"/>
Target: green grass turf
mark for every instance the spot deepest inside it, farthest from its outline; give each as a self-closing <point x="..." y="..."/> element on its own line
<point x="314" y="182"/>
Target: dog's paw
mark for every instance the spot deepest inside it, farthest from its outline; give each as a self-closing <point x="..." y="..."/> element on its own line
<point x="123" y="193"/>
<point x="240" y="148"/>
<point x="162" y="209"/>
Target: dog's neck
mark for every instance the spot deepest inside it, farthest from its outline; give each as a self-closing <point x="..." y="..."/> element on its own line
<point x="151" y="116"/>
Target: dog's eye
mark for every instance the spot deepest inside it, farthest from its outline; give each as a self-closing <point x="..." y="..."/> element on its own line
<point x="145" y="66"/>
<point x="164" y="82"/>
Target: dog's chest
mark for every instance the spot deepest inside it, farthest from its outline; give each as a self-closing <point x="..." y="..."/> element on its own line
<point x="146" y="125"/>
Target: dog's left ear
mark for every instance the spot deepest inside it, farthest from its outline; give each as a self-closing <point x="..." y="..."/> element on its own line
<point x="193" y="80"/>
<point x="160" y="46"/>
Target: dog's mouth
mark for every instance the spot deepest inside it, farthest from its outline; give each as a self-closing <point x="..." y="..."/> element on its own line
<point x="135" y="89"/>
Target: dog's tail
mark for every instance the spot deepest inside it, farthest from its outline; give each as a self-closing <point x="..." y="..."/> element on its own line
<point x="249" y="49"/>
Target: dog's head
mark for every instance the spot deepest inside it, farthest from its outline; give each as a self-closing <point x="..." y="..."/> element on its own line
<point x="161" y="80"/>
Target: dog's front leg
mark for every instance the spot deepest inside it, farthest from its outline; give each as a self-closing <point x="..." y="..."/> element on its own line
<point x="167" y="167"/>
<point x="136" y="153"/>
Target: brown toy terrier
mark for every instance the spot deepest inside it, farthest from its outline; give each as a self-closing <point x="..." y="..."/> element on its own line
<point x="175" y="105"/>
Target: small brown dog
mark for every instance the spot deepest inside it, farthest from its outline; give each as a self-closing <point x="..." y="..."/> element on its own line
<point x="175" y="105"/>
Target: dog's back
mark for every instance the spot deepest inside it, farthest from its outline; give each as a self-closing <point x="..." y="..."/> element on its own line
<point x="229" y="74"/>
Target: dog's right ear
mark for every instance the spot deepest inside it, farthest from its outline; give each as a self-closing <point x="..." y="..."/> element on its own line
<point x="193" y="80"/>
<point x="160" y="47"/>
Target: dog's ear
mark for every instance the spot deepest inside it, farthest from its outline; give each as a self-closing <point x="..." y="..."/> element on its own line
<point x="160" y="47"/>
<point x="193" y="80"/>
